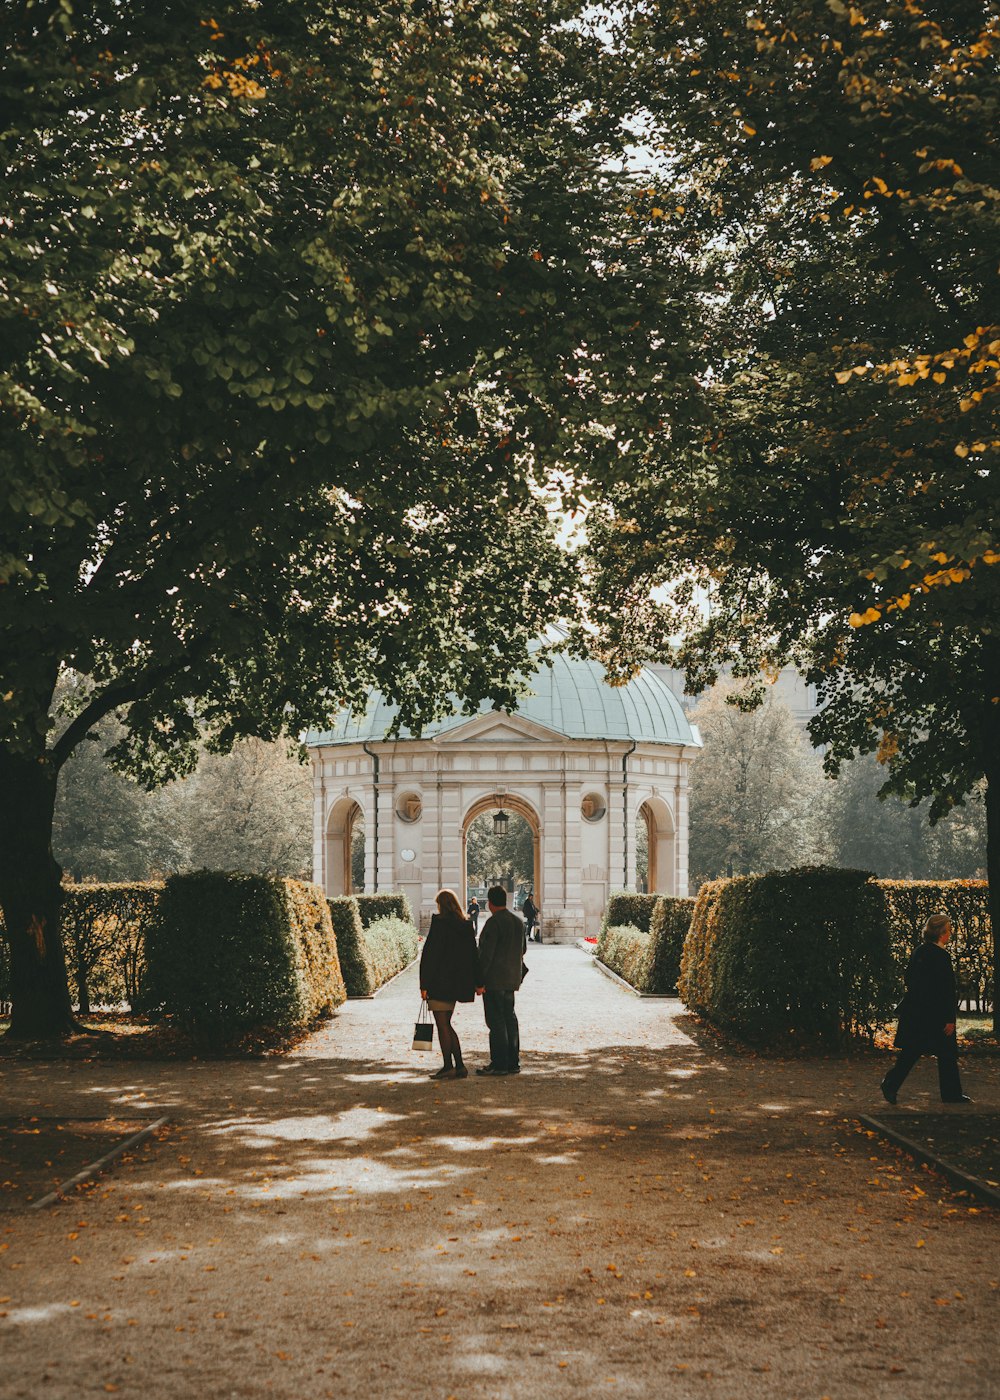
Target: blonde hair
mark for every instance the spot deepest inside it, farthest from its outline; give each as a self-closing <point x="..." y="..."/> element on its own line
<point x="447" y="903"/>
<point x="935" y="926"/>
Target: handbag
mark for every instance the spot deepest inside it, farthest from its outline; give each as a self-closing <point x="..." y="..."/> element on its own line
<point x="423" y="1031"/>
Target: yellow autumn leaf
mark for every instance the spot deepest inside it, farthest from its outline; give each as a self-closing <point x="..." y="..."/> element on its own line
<point x="818" y="162"/>
<point x="842" y="376"/>
<point x="961" y="450"/>
<point x="750" y="130"/>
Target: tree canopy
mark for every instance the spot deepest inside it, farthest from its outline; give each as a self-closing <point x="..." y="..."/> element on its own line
<point x="307" y="310"/>
<point x="830" y="174"/>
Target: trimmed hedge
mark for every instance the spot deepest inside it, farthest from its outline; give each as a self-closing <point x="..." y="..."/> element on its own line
<point x="229" y="953"/>
<point x="104" y="934"/>
<point x="369" y="957"/>
<point x="392" y="945"/>
<point x="626" y="949"/>
<point x="668" y="930"/>
<point x="348" y="932"/>
<point x="648" y="959"/>
<point x="966" y="902"/>
<point x="375" y="907"/>
<point x="103" y="929"/>
<point x="799" y="954"/>
<point x="629" y="910"/>
<point x="695" y="981"/>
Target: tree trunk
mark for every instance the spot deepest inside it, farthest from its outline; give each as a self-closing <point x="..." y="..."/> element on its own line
<point x="993" y="870"/>
<point x="30" y="897"/>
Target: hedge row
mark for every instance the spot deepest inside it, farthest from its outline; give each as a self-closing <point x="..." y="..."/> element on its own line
<point x="648" y="957"/>
<point x="370" y="956"/>
<point x="231" y="953"/>
<point x="103" y="931"/>
<point x="375" y="907"/>
<point x="966" y="902"/>
<point x="392" y="945"/>
<point x="801" y="955"/>
<point x="628" y="910"/>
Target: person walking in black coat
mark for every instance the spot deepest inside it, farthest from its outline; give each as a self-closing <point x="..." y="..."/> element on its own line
<point x="501" y="964"/>
<point x="473" y="912"/>
<point x="530" y="911"/>
<point x="449" y="972"/>
<point x="927" y="1015"/>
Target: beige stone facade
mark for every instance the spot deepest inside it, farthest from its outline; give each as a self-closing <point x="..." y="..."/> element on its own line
<point x="581" y="793"/>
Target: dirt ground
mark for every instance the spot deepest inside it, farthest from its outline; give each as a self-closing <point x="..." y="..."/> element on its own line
<point x="638" y="1214"/>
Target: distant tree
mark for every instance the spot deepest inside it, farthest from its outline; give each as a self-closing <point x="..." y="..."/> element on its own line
<point x="754" y="789"/>
<point x="895" y="839"/>
<point x="490" y="857"/>
<point x="250" y="810"/>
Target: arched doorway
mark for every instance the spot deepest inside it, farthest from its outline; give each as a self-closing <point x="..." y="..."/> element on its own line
<point x="654" y="847"/>
<point x="345" y="849"/>
<point x="513" y="860"/>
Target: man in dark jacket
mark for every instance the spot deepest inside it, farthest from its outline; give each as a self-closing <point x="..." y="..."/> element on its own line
<point x="928" y="1014"/>
<point x="501" y="960"/>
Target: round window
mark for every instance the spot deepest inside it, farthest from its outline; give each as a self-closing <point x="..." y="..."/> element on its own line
<point x="409" y="807"/>
<point x="593" y="807"/>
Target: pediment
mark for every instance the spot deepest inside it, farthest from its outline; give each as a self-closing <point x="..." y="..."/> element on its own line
<point x="494" y="728"/>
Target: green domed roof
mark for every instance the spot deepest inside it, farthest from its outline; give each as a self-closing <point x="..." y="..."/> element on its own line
<point x="573" y="698"/>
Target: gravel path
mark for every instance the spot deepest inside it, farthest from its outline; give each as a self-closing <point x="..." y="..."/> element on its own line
<point x="637" y="1214"/>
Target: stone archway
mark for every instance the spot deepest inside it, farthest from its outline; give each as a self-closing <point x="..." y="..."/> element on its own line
<point x="344" y="819"/>
<point x="514" y="804"/>
<point x="659" y="820"/>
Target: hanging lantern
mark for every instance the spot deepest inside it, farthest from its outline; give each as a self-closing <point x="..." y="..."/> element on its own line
<point x="500" y="822"/>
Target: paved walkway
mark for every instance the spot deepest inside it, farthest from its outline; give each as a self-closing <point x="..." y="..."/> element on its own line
<point x="637" y="1214"/>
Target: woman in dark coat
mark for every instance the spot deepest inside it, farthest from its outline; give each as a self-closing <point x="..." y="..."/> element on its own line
<point x="449" y="972"/>
<point x="927" y="1015"/>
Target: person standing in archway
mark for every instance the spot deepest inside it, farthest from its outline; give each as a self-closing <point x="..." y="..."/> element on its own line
<point x="472" y="910"/>
<point x="501" y="963"/>
<point x="530" y="911"/>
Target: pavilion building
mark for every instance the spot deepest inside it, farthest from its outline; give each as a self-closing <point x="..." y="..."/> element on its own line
<point x="582" y="761"/>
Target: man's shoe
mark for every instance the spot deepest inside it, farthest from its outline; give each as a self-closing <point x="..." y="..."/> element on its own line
<point x="887" y="1094"/>
<point x="962" y="1098"/>
<point x="515" y="1070"/>
<point x="492" y="1071"/>
<point x="461" y="1072"/>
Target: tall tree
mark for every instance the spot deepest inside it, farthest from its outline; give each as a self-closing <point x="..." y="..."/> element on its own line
<point x="832" y="172"/>
<point x="304" y="307"/>
<point x="754" y="790"/>
<point x="250" y="809"/>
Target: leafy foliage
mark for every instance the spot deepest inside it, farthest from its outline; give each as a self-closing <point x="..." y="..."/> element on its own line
<point x="392" y="944"/>
<point x="830" y="174"/>
<point x="283" y="289"/>
<point x="966" y="902"/>
<point x="754" y="789"/>
<point x="375" y="907"/>
<point x="105" y="929"/>
<point x="695" y="984"/>
<point x="490" y="857"/>
<point x="668" y="929"/>
<point x="802" y="955"/>
<point x="231" y="953"/>
<point x="649" y="959"/>
<point x="625" y="949"/>
<point x="373" y="941"/>
<point x="628" y="909"/>
<point x="352" y="951"/>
